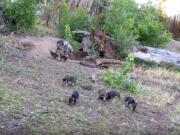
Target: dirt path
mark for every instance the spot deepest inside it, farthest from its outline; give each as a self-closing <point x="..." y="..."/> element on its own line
<point x="40" y="46"/>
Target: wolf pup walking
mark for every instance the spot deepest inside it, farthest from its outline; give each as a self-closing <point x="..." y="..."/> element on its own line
<point x="130" y="102"/>
<point x="74" y="97"/>
<point x="112" y="94"/>
<point x="69" y="80"/>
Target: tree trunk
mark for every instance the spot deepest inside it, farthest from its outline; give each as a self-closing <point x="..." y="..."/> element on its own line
<point x="156" y="55"/>
<point x="91" y="5"/>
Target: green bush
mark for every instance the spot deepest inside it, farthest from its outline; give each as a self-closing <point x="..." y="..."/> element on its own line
<point x="20" y="14"/>
<point x="119" y="21"/>
<point x="126" y="23"/>
<point x="76" y="19"/>
<point x="152" y="33"/>
<point x="150" y="29"/>
<point x="119" y="78"/>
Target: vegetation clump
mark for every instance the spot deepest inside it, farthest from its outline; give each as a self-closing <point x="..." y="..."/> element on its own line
<point x="20" y="14"/>
<point x="119" y="78"/>
<point x="127" y="23"/>
<point x="120" y="21"/>
<point x="76" y="19"/>
<point x="151" y="30"/>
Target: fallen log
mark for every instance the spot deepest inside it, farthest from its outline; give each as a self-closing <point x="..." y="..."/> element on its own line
<point x="100" y="63"/>
<point x="81" y="33"/>
<point x="90" y="65"/>
<point x="90" y="59"/>
<point x="108" y="61"/>
<point x="156" y="55"/>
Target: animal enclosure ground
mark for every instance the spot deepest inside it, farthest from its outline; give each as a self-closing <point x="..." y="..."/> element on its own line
<point x="32" y="97"/>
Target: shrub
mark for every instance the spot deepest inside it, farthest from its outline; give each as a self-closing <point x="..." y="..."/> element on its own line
<point x="152" y="33"/>
<point x="150" y="29"/>
<point x="119" y="78"/>
<point x="20" y="14"/>
<point x="76" y="19"/>
<point x="119" y="21"/>
<point x="126" y="23"/>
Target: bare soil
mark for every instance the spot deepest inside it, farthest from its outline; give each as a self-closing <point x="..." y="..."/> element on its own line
<point x="173" y="45"/>
<point x="40" y="46"/>
<point x="34" y="99"/>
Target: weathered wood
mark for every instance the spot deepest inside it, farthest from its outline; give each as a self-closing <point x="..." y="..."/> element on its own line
<point x="100" y="63"/>
<point x="174" y="25"/>
<point x="87" y="64"/>
<point x="85" y="45"/>
<point x="1" y="15"/>
<point x="90" y="59"/>
<point x="108" y="61"/>
<point x="98" y="39"/>
<point x="84" y="37"/>
<point x="81" y="33"/>
<point x="156" y="55"/>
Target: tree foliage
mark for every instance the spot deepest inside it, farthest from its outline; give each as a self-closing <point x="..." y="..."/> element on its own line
<point x="151" y="29"/>
<point x="119" y="21"/>
<point x="76" y="19"/>
<point x="20" y="14"/>
<point x="127" y="22"/>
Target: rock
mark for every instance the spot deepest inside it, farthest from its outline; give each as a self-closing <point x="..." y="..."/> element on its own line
<point x="90" y="59"/>
<point x="87" y="87"/>
<point x="94" y="77"/>
<point x="87" y="64"/>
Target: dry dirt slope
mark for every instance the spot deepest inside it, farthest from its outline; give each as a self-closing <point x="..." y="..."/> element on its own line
<point x="31" y="97"/>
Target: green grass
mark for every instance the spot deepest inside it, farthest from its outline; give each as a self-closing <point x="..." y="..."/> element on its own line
<point x="9" y="98"/>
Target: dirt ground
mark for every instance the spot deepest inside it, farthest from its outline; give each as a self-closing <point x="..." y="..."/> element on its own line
<point x="33" y="98"/>
<point x="173" y="45"/>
